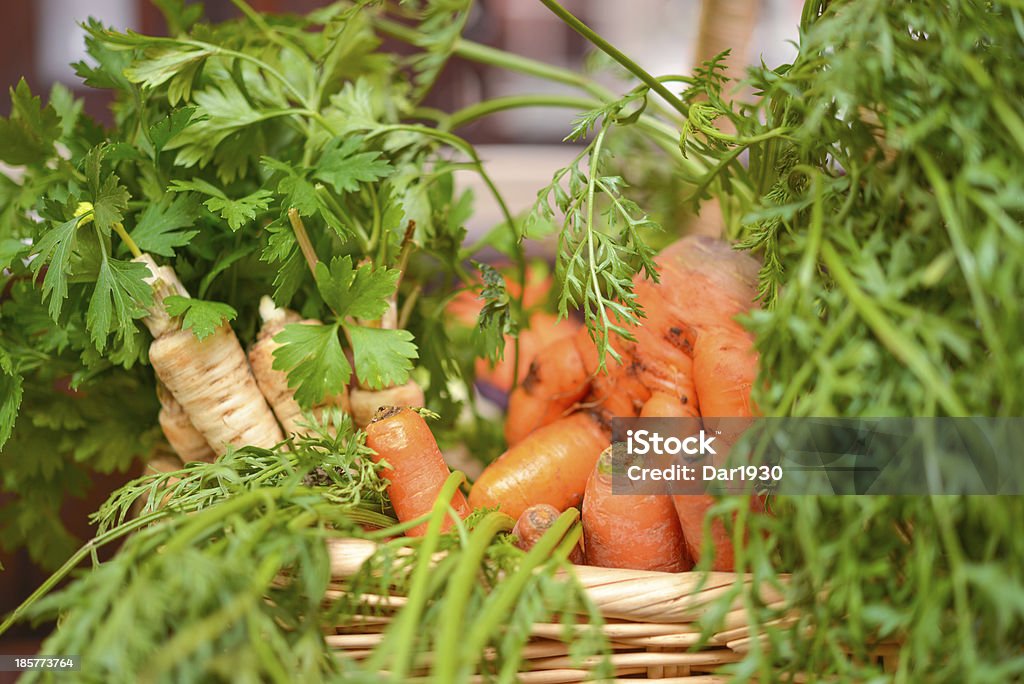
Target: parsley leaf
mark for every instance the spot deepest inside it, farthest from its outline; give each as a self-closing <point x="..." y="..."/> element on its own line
<point x="27" y="136"/>
<point x="312" y="357"/>
<point x="164" y="130"/>
<point x="161" y="63"/>
<point x="345" y="168"/>
<point x="294" y="186"/>
<point x="110" y="198"/>
<point x="237" y="212"/>
<point x="11" y="391"/>
<point x="159" y="229"/>
<point x="119" y="298"/>
<point x="361" y="292"/>
<point x="11" y="249"/>
<point x="54" y="251"/>
<point x="383" y="357"/>
<point x="201" y="316"/>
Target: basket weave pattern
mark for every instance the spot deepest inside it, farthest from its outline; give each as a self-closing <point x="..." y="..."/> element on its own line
<point x="651" y="622"/>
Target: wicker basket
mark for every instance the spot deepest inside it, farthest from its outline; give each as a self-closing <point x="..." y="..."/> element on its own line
<point x="650" y="621"/>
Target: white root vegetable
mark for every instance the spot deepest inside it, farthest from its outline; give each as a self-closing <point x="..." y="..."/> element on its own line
<point x="365" y="402"/>
<point x="274" y="383"/>
<point x="210" y="378"/>
<point x="181" y="434"/>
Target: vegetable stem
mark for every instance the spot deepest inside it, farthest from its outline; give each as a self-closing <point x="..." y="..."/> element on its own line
<point x="402" y="634"/>
<point x="654" y="84"/>
<point x="501" y="601"/>
<point x="459" y="588"/>
<point x="302" y="237"/>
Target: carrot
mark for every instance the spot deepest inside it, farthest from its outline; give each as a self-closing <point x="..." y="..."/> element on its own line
<point x="210" y="378"/>
<point x="186" y="441"/>
<point x="619" y="394"/>
<point x="632" y="531"/>
<point x="533" y="523"/>
<point x="724" y="370"/>
<point x="273" y="383"/>
<point x="550" y="466"/>
<point x="544" y="329"/>
<point x="662" y="405"/>
<point x="556" y="381"/>
<point x="402" y="438"/>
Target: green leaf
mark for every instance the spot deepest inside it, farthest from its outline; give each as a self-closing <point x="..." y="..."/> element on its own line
<point x="120" y="297"/>
<point x="312" y="357"/>
<point x="361" y="292"/>
<point x="202" y="317"/>
<point x="159" y="229"/>
<point x="345" y="168"/>
<point x="297" y="190"/>
<point x="27" y="136"/>
<point x="164" y="130"/>
<point x="10" y="250"/>
<point x="495" y="319"/>
<point x="237" y="212"/>
<point x="383" y="357"/>
<point x="54" y="251"/>
<point x="11" y="392"/>
<point x="161" y="63"/>
<point x="110" y="203"/>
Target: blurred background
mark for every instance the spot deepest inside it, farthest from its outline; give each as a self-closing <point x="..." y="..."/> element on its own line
<point x="40" y="39"/>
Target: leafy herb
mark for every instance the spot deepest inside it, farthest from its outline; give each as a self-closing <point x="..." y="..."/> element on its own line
<point x="202" y="318"/>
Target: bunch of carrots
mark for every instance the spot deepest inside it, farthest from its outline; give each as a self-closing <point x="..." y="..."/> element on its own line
<point x="690" y="359"/>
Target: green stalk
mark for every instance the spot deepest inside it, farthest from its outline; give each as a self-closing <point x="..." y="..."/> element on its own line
<point x="402" y="632"/>
<point x="499" y="104"/>
<point x="504" y="597"/>
<point x="482" y="54"/>
<point x="89" y="548"/>
<point x="650" y="81"/>
<point x="900" y="346"/>
<point x="463" y="579"/>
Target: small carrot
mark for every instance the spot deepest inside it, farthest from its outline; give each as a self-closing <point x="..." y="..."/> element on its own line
<point x="724" y="370"/>
<point x="662" y="405"/>
<point x="550" y="466"/>
<point x="533" y="523"/>
<point x="545" y="328"/>
<point x="402" y="438"/>
<point x="556" y="381"/>
<point x="631" y="531"/>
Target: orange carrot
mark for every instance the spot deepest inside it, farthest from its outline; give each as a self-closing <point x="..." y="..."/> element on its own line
<point x="724" y="370"/>
<point x="550" y="466"/>
<point x="556" y="381"/>
<point x="662" y="405"/>
<point x="401" y="437"/>
<point x="544" y="329"/>
<point x="533" y="523"/>
<point x="633" y="531"/>
<point x="690" y="509"/>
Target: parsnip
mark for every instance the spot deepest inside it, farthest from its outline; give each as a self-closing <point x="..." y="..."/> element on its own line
<point x="274" y="383"/>
<point x="211" y="378"/>
<point x="181" y="434"/>
<point x="365" y="402"/>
